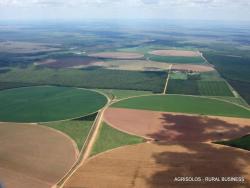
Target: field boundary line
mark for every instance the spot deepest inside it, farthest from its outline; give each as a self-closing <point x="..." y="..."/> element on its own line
<point x="62" y="120"/>
<point x="166" y="84"/>
<point x="127" y="132"/>
<point x="160" y="94"/>
<point x="89" y="142"/>
<point x="78" y="160"/>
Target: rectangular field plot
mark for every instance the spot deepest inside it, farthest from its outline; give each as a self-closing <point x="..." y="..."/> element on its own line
<point x="170" y="59"/>
<point x="197" y="87"/>
<point x="97" y="78"/>
<point x="214" y="88"/>
<point x="185" y="87"/>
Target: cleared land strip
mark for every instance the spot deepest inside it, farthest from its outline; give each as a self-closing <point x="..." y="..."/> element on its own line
<point x="166" y="85"/>
<point x="85" y="153"/>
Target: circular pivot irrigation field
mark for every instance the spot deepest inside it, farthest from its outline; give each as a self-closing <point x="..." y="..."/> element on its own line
<point x="48" y="103"/>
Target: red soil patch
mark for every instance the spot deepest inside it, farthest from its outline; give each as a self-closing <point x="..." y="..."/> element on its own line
<point x="33" y="156"/>
<point x="117" y="55"/>
<point x="176" y="127"/>
<point x="176" y="53"/>
<point x="194" y="68"/>
<point x="156" y="166"/>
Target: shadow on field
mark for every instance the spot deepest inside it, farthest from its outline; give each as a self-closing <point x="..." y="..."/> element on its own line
<point x="192" y="158"/>
<point x="197" y="129"/>
<point x="200" y="160"/>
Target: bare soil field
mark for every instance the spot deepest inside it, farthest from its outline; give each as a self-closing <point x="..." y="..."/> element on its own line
<point x="26" y="47"/>
<point x="33" y="156"/>
<point x="176" y="126"/>
<point x="117" y="55"/>
<point x="193" y="68"/>
<point x="68" y="62"/>
<point x="155" y="165"/>
<point x="176" y="53"/>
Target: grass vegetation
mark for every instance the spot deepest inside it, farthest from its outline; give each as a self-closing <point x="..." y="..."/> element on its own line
<point x="48" y="103"/>
<point x="94" y="78"/>
<point x="110" y="138"/>
<point x="243" y="142"/>
<point x="121" y="94"/>
<point x="77" y="129"/>
<point x="235" y="100"/>
<point x="184" y="104"/>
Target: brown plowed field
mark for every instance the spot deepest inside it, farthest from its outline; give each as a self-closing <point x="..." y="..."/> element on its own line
<point x="155" y="165"/>
<point x="176" y="126"/>
<point x="194" y="68"/>
<point x="33" y="156"/>
<point x="181" y="152"/>
<point x="117" y="55"/>
<point x="179" y="53"/>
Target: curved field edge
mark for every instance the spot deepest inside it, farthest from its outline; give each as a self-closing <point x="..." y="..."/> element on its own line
<point x="34" y="163"/>
<point x="184" y="104"/>
<point x="110" y="138"/>
<point x="49" y="103"/>
<point x="77" y="129"/>
<point x="242" y="142"/>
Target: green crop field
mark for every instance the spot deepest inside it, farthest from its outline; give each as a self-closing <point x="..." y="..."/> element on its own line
<point x="214" y="88"/>
<point x="121" y="94"/>
<point x="199" y="87"/>
<point x="87" y="78"/>
<point x="78" y="129"/>
<point x="48" y="103"/>
<point x="243" y="142"/>
<point x="184" y="104"/>
<point x="178" y="86"/>
<point x="181" y="60"/>
<point x="110" y="138"/>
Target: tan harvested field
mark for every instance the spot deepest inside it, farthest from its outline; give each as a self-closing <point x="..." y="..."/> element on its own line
<point x="176" y="126"/>
<point x="117" y="55"/>
<point x="155" y="165"/>
<point x="138" y="65"/>
<point x="176" y="53"/>
<point x="193" y="68"/>
<point x="33" y="156"/>
<point x="26" y="47"/>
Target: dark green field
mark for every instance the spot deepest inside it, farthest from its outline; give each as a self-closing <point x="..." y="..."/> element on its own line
<point x="235" y="69"/>
<point x="182" y="60"/>
<point x="184" y="104"/>
<point x="186" y="87"/>
<point x="214" y="88"/>
<point x="48" y="103"/>
<point x="243" y="142"/>
<point x="95" y="78"/>
<point x="198" y="87"/>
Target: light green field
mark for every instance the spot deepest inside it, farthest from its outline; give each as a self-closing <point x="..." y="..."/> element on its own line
<point x="76" y="129"/>
<point x="184" y="104"/>
<point x="48" y="103"/>
<point x="110" y="138"/>
<point x="121" y="94"/>
<point x="178" y="75"/>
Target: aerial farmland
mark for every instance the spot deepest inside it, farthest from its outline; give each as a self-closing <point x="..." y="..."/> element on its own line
<point x="128" y="104"/>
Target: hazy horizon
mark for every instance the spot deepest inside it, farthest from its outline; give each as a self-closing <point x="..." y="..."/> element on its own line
<point x="49" y="10"/>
